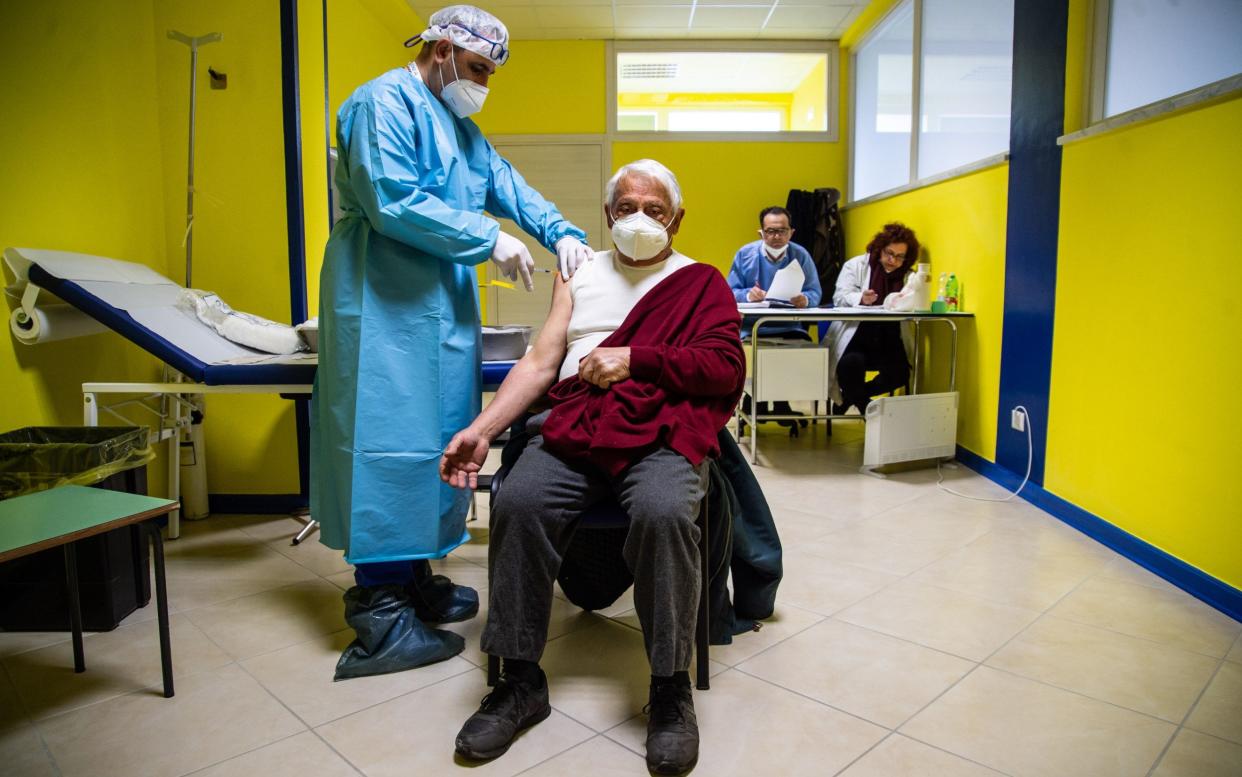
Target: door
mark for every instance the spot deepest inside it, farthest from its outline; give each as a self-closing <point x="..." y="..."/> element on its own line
<point x="570" y="175"/>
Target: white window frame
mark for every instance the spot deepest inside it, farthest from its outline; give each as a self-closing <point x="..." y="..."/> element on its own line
<point x="916" y="112"/>
<point x="830" y="48"/>
<point x="1097" y="85"/>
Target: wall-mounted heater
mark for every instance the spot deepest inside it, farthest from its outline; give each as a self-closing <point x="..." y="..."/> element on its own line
<point x="910" y="428"/>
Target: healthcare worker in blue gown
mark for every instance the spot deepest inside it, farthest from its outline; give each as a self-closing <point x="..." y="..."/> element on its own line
<point x="399" y="359"/>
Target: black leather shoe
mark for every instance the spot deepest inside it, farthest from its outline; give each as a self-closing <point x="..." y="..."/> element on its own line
<point x="513" y="705"/>
<point x="672" y="728"/>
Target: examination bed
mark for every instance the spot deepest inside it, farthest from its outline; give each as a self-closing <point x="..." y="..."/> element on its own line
<point x="139" y="304"/>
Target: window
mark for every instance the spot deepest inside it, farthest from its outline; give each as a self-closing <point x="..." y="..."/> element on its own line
<point x="724" y="90"/>
<point x="883" y="104"/>
<point x="956" y="58"/>
<point x="1156" y="49"/>
<point x="966" y="74"/>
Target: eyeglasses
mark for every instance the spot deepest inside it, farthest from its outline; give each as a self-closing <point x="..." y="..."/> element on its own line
<point x="894" y="256"/>
<point x="775" y="232"/>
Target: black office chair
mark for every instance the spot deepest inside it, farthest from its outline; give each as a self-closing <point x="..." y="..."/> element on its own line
<point x="609" y="515"/>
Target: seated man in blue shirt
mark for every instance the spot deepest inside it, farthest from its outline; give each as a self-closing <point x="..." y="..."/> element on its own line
<point x="756" y="264"/>
<point x="754" y="267"/>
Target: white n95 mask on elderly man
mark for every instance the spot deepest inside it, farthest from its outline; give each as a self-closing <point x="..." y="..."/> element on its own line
<point x="462" y="97"/>
<point x="639" y="236"/>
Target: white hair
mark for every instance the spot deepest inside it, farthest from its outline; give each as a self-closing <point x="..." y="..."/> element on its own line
<point x="651" y="169"/>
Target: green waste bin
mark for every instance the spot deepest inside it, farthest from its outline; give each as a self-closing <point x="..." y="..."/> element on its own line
<point x="112" y="567"/>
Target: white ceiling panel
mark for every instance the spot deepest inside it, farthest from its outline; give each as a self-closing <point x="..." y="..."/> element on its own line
<point x="801" y="33"/>
<point x="572" y="33"/>
<point x="730" y="18"/>
<point x="641" y="19"/>
<point x="573" y="16"/>
<point x="661" y="16"/>
<point x="652" y="33"/>
<point x="816" y="16"/>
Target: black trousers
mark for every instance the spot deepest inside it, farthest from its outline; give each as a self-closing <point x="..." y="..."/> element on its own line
<point x="876" y="346"/>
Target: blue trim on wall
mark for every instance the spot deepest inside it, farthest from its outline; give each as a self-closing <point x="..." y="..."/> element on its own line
<point x="1037" y="119"/>
<point x="255" y="504"/>
<point x="1192" y="580"/>
<point x="295" y="218"/>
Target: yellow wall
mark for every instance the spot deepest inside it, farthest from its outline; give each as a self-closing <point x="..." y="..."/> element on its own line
<point x="240" y="240"/>
<point x="365" y="39"/>
<point x="961" y="226"/>
<point x="1142" y="430"/>
<point x="547" y="87"/>
<point x="80" y="153"/>
<point x="806" y="110"/>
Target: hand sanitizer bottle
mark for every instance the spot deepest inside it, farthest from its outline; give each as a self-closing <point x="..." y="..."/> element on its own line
<point x="951" y="293"/>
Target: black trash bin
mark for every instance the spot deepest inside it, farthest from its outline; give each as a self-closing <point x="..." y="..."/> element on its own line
<point x="112" y="567"/>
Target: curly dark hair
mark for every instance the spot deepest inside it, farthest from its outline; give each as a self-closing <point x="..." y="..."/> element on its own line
<point x="895" y="233"/>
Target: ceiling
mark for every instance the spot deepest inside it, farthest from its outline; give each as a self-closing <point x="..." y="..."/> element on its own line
<point x="671" y="19"/>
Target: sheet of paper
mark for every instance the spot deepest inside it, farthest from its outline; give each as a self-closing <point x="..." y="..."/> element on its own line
<point x="749" y="305"/>
<point x="81" y="267"/>
<point x="877" y="310"/>
<point x="787" y="283"/>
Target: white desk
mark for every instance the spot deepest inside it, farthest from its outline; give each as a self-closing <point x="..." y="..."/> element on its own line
<point x="754" y="317"/>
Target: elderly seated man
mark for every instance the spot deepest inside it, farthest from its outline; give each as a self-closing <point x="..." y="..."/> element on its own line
<point x="645" y="343"/>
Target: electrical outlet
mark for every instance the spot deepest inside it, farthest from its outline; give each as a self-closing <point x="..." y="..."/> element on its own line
<point x="1017" y="420"/>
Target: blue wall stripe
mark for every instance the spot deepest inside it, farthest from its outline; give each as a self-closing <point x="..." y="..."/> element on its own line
<point x="1190" y="579"/>
<point x="1037" y="119"/>
<point x="295" y="218"/>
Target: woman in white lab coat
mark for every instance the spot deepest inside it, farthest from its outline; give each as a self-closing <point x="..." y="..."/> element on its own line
<point x="885" y="347"/>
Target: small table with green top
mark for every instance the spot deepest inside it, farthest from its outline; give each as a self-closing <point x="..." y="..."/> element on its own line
<point x="61" y="517"/>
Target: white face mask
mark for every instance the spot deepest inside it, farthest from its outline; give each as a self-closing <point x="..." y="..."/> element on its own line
<point x="464" y="98"/>
<point x="775" y="253"/>
<point x="639" y="236"/>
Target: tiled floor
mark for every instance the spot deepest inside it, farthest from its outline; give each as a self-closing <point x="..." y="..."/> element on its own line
<point x="916" y="633"/>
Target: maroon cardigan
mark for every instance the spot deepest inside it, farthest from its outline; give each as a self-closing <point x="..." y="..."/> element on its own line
<point x="687" y="368"/>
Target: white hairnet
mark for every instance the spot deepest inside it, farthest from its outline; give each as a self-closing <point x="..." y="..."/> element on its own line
<point x="470" y="28"/>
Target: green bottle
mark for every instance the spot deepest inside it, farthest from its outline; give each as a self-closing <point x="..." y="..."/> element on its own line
<point x="951" y="292"/>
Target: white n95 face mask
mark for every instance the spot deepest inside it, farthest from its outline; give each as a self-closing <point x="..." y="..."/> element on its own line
<point x="639" y="236"/>
<point x="462" y="97"/>
<point x="775" y="253"/>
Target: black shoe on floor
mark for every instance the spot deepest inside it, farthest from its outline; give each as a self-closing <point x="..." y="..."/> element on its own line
<point x="513" y="705"/>
<point x="672" y="728"/>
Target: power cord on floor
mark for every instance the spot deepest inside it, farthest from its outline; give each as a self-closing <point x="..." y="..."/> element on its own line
<point x="1030" y="458"/>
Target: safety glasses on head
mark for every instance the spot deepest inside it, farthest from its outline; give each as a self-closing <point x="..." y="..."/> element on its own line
<point x="466" y="38"/>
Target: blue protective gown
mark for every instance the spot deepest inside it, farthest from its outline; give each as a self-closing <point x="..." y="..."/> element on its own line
<point x="399" y="338"/>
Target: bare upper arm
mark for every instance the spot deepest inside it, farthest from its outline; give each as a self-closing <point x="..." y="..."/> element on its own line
<point x="552" y="342"/>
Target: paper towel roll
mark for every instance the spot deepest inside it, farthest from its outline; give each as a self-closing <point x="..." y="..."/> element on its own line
<point x="51" y="323"/>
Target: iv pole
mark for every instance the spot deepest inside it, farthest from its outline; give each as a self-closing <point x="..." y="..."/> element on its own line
<point x="193" y="43"/>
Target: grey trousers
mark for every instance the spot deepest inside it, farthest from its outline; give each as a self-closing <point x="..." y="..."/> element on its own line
<point x="534" y="518"/>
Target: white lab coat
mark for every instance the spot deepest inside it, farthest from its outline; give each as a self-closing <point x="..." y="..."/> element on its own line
<point x="855" y="278"/>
